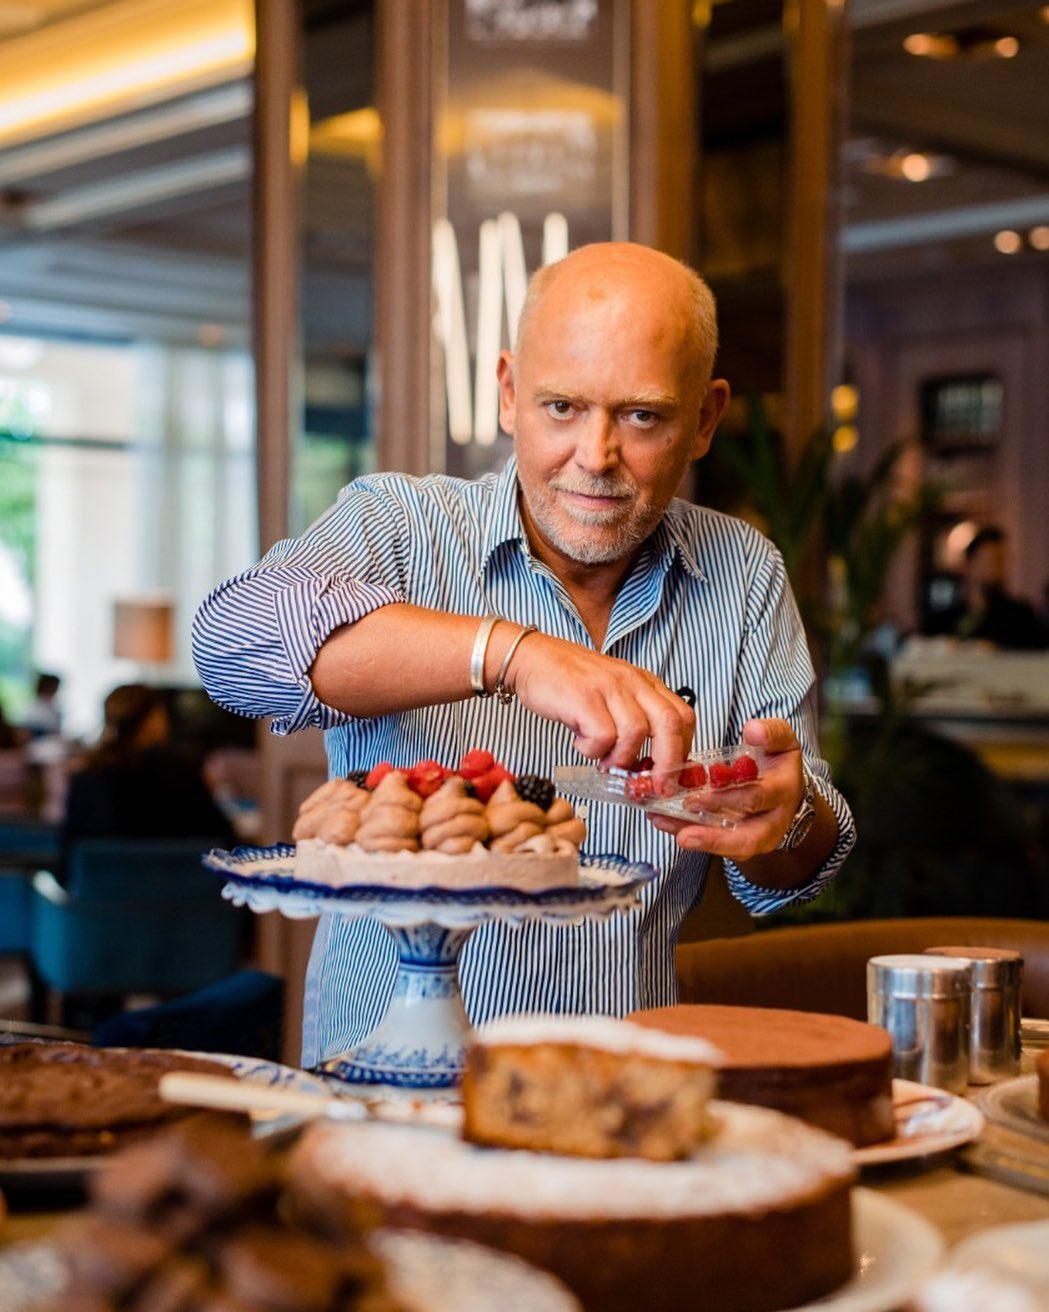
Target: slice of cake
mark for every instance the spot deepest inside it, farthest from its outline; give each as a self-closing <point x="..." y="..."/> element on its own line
<point x="831" y="1071"/>
<point x="587" y="1086"/>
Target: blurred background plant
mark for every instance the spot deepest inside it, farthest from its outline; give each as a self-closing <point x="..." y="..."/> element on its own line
<point x="938" y="830"/>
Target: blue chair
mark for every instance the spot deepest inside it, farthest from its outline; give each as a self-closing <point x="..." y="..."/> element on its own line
<point x="25" y="845"/>
<point x="134" y="917"/>
<point x="243" y="1015"/>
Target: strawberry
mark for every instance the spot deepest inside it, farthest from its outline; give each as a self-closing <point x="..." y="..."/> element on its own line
<point x="425" y="777"/>
<point x="692" y="776"/>
<point x="721" y="775"/>
<point x="744" y="769"/>
<point x="377" y="774"/>
<point x="476" y="763"/>
<point x="640" y="787"/>
<point x="486" y="784"/>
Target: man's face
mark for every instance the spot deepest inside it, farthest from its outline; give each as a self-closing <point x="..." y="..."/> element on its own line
<point x="607" y="412"/>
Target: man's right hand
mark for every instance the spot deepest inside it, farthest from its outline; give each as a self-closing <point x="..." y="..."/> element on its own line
<point x="611" y="707"/>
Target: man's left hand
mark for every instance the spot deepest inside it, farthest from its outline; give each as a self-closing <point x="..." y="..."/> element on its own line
<point x="769" y="803"/>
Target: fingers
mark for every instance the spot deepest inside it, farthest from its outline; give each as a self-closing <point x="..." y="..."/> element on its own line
<point x="672" y="722"/>
<point x="774" y="735"/>
<point x="749" y="839"/>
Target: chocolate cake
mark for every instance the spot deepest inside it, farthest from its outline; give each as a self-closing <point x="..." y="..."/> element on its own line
<point x="197" y="1220"/>
<point x="831" y="1071"/>
<point x="69" y="1100"/>
<point x="587" y="1086"/>
<point x="1041" y="1067"/>
<point x="757" y="1220"/>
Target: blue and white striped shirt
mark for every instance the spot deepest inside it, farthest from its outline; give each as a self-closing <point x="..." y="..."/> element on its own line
<point x="707" y="605"/>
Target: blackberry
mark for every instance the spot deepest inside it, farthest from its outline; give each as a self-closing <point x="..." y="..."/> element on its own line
<point x="534" y="788"/>
<point x="357" y="777"/>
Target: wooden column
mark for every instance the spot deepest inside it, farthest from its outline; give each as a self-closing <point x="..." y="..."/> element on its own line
<point x="663" y="126"/>
<point x="275" y="240"/>
<point x="404" y="74"/>
<point x="817" y="54"/>
<point x="290" y="766"/>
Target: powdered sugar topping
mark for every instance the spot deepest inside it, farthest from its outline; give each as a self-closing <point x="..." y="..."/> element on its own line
<point x="757" y="1159"/>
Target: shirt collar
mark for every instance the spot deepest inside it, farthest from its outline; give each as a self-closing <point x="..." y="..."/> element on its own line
<point x="670" y="540"/>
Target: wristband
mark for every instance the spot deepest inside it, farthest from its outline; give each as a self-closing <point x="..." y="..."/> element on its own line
<point x="480" y="650"/>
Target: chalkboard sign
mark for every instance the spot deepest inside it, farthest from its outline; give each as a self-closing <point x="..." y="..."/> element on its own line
<point x="962" y="413"/>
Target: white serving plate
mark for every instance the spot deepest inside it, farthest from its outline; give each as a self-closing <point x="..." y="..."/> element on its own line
<point x="1014" y="1105"/>
<point x="928" y="1121"/>
<point x="896" y="1252"/>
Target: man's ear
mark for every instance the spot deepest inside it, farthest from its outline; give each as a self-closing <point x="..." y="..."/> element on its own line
<point x="710" y="413"/>
<point x="507" y="392"/>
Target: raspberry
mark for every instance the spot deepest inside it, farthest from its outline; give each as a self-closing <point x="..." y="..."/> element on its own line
<point x="377" y="774"/>
<point x="744" y="769"/>
<point x="534" y="788"/>
<point x="476" y="763"/>
<point x="358" y="777"/>
<point x="645" y="763"/>
<point x="640" y="787"/>
<point x="425" y="777"/>
<point x="486" y="784"/>
<point x="692" y="776"/>
<point x="721" y="775"/>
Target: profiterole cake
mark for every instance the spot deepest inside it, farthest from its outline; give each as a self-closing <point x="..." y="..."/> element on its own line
<point x="831" y="1071"/>
<point x="587" y="1086"/>
<point x="756" y="1220"/>
<point x="428" y="826"/>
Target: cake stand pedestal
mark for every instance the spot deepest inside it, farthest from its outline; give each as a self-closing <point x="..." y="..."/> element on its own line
<point x="420" y="1044"/>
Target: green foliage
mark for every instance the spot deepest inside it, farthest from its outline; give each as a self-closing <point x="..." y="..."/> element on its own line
<point x="18" y="477"/>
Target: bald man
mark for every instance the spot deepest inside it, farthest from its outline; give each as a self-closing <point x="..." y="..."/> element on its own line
<point x="641" y="604"/>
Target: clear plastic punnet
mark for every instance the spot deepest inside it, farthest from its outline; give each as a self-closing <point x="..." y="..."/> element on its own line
<point x="701" y="789"/>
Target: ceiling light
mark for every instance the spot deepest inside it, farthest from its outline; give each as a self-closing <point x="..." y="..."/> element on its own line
<point x="844" y="401"/>
<point x="1039" y="237"/>
<point x="1007" y="241"/>
<point x="105" y="61"/>
<point x="907" y="165"/>
<point x="845" y="438"/>
<point x="1007" y="47"/>
<point x="916" y="168"/>
<point x="931" y="45"/>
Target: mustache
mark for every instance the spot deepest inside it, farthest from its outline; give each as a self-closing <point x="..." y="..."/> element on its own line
<point x="596" y="487"/>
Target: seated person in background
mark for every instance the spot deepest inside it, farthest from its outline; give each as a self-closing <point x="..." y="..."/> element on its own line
<point x="43" y="717"/>
<point x="991" y="613"/>
<point x="134" y="784"/>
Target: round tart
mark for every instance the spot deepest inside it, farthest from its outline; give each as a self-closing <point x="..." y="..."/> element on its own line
<point x="831" y="1071"/>
<point x="757" y="1220"/>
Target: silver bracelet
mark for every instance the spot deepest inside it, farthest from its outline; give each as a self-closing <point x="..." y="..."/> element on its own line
<point x="502" y="692"/>
<point x="480" y="650"/>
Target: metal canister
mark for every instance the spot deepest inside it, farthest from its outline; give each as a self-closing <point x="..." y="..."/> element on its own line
<point x="923" y="1002"/>
<point x="994" y="1027"/>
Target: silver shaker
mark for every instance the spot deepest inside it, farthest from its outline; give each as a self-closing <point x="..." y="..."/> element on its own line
<point x="923" y="1002"/>
<point x="994" y="1027"/>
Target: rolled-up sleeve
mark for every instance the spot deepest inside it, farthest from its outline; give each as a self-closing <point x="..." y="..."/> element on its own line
<point x="775" y="679"/>
<point x="255" y="637"/>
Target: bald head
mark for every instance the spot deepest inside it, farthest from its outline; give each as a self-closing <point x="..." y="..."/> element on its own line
<point x="636" y="278"/>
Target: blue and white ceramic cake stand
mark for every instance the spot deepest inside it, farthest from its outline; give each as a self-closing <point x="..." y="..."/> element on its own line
<point x="420" y="1044"/>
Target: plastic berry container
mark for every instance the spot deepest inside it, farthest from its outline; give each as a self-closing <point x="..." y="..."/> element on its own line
<point x="699" y="789"/>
